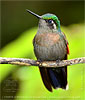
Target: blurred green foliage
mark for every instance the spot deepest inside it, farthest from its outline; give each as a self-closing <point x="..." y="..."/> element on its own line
<point x="28" y="78"/>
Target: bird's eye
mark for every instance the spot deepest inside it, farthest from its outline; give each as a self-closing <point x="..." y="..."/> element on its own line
<point x="50" y="21"/>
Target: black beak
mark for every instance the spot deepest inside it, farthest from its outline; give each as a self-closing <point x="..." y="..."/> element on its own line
<point x="33" y="13"/>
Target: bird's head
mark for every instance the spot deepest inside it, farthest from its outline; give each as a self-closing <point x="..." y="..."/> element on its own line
<point x="48" y="20"/>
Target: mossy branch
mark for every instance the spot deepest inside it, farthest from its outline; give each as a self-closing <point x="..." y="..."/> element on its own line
<point x="30" y="62"/>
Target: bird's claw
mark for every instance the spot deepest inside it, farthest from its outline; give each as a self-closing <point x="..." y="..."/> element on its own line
<point x="57" y="61"/>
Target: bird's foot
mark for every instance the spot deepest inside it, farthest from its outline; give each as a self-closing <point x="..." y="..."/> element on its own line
<point x="39" y="62"/>
<point x="57" y="61"/>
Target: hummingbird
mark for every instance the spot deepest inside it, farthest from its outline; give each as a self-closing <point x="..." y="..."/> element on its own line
<point x="50" y="44"/>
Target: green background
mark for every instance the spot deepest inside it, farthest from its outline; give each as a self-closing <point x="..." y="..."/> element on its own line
<point x="18" y="29"/>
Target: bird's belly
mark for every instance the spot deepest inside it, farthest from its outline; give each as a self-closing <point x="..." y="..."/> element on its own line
<point x="52" y="52"/>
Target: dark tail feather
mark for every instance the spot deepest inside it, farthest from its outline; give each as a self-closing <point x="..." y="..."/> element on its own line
<point x="53" y="79"/>
<point x="45" y="78"/>
<point x="58" y="77"/>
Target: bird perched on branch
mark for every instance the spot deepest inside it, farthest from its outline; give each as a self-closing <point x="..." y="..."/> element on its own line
<point x="50" y="44"/>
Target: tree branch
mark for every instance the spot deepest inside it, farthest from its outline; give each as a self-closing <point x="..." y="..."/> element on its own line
<point x="30" y="62"/>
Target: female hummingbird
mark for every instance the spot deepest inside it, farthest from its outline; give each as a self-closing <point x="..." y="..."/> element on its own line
<point x="50" y="44"/>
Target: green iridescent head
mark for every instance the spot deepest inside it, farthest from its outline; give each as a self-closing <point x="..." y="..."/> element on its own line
<point x="52" y="17"/>
<point x="48" y="17"/>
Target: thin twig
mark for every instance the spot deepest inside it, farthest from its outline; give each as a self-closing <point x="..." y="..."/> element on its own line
<point x="30" y="62"/>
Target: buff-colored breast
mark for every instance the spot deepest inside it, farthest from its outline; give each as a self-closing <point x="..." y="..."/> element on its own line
<point x="49" y="47"/>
